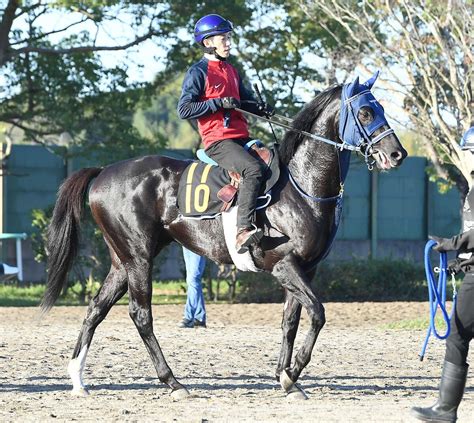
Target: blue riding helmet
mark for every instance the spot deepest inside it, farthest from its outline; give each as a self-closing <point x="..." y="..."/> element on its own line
<point x="210" y="25"/>
<point x="467" y="142"/>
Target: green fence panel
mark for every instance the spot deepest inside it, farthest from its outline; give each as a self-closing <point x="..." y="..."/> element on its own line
<point x="78" y="162"/>
<point x="402" y="201"/>
<point x="32" y="180"/>
<point x="444" y="211"/>
<point x="355" y="221"/>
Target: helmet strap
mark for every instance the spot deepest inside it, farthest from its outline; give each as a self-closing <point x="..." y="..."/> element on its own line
<point x="208" y="50"/>
<point x="212" y="50"/>
<point x="222" y="59"/>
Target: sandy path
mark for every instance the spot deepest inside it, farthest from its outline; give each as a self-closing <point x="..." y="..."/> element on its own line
<point x="361" y="371"/>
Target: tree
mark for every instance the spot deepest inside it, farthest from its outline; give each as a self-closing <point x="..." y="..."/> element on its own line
<point x="426" y="47"/>
<point x="53" y="80"/>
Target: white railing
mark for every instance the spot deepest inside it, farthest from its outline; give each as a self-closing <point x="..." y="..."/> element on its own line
<point x="19" y="256"/>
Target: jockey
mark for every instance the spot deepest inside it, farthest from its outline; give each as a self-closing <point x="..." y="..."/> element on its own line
<point x="212" y="89"/>
<point x="453" y="377"/>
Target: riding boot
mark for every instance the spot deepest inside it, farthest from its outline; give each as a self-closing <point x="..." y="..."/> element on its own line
<point x="247" y="237"/>
<point x="451" y="390"/>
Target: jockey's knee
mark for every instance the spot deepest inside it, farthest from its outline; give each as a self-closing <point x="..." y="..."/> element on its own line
<point x="255" y="170"/>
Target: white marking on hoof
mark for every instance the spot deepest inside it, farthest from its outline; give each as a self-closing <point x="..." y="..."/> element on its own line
<point x="179" y="394"/>
<point x="75" y="369"/>
<point x="81" y="392"/>
<point x="293" y="391"/>
<point x="285" y="381"/>
<point x="296" y="393"/>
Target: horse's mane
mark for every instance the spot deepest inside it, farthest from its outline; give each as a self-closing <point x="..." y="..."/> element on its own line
<point x="304" y="121"/>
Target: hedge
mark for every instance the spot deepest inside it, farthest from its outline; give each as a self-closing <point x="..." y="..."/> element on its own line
<point x="355" y="280"/>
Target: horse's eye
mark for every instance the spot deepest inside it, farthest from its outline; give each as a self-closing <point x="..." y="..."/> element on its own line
<point x="366" y="115"/>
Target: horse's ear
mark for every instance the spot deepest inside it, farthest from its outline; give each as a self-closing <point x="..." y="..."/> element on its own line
<point x="353" y="86"/>
<point x="371" y="81"/>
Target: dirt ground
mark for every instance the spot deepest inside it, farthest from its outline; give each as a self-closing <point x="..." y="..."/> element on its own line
<point x="360" y="372"/>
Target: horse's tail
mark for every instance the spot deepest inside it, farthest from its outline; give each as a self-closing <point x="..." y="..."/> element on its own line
<point x="63" y="232"/>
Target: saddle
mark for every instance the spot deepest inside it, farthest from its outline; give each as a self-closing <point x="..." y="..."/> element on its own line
<point x="206" y="190"/>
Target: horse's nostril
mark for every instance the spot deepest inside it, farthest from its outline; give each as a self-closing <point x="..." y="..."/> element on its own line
<point x="396" y="155"/>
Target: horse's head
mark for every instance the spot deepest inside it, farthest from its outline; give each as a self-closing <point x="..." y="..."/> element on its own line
<point x="363" y="124"/>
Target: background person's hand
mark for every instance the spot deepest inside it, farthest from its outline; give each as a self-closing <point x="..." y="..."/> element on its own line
<point x="454" y="266"/>
<point x="441" y="243"/>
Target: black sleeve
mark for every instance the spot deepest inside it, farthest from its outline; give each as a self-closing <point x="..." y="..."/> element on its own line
<point x="189" y="105"/>
<point x="462" y="242"/>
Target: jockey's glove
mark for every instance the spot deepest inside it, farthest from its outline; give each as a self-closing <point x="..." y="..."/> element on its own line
<point x="230" y="102"/>
<point x="266" y="110"/>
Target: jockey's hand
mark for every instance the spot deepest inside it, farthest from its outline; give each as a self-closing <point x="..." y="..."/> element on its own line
<point x="230" y="102"/>
<point x="266" y="110"/>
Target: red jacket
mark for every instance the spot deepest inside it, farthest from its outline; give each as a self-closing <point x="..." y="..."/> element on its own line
<point x="205" y="83"/>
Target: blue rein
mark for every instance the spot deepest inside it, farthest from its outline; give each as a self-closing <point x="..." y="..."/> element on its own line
<point x="437" y="295"/>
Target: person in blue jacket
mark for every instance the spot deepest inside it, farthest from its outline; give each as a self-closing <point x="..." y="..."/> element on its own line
<point x="195" y="309"/>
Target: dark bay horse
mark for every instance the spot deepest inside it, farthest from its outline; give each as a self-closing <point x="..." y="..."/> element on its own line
<point x="134" y="204"/>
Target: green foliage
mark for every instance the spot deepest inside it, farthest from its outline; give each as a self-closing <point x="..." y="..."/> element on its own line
<point x="259" y="288"/>
<point x="159" y="121"/>
<point x="370" y="280"/>
<point x="355" y="280"/>
<point x="56" y="83"/>
<point x="169" y="292"/>
<point x="417" y="324"/>
<point x="13" y="296"/>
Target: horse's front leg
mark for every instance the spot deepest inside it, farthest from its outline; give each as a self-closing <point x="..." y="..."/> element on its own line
<point x="296" y="282"/>
<point x="289" y="326"/>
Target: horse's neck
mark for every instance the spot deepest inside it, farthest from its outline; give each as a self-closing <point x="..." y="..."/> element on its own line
<point x="315" y="167"/>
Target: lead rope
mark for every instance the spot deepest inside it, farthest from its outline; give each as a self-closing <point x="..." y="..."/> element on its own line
<point x="437" y="295"/>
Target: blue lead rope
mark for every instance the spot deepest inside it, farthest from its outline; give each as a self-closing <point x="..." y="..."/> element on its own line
<point x="437" y="295"/>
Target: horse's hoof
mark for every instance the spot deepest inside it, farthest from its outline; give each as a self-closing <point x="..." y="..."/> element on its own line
<point x="296" y="393"/>
<point x="80" y="392"/>
<point x="285" y="381"/>
<point x="179" y="394"/>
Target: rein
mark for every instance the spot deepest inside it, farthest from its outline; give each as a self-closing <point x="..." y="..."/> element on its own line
<point x="437" y="295"/>
<point x="342" y="146"/>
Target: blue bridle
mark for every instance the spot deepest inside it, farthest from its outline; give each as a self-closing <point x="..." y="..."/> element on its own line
<point x="354" y="97"/>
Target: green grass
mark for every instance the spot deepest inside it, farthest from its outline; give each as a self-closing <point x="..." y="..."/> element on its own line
<point x="417" y="324"/>
<point x="170" y="292"/>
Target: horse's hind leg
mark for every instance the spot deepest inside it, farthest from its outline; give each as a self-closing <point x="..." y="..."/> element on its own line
<point x="140" y="291"/>
<point x="113" y="288"/>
